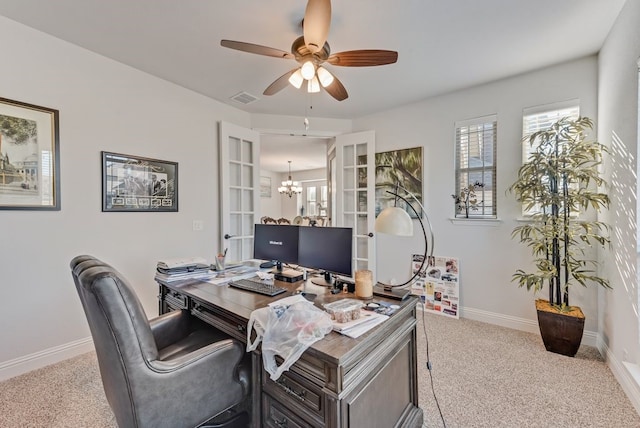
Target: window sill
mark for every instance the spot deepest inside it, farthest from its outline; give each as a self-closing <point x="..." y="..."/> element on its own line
<point x="492" y="222"/>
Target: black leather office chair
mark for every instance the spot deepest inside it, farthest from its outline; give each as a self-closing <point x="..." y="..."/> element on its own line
<point x="172" y="371"/>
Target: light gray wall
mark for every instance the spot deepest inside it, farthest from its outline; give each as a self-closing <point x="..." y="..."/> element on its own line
<point x="103" y="105"/>
<point x="618" y="128"/>
<point x="271" y="206"/>
<point x="107" y="106"/>
<point x="488" y="256"/>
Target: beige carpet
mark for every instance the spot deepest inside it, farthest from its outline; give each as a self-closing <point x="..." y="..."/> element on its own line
<point x="484" y="376"/>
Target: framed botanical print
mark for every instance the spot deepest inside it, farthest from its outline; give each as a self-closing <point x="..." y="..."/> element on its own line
<point x="29" y="157"/>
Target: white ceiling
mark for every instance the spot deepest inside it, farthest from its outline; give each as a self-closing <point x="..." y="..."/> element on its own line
<point x="442" y="45"/>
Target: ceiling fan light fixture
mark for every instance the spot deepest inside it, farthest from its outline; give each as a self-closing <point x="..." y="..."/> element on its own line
<point x="296" y="79"/>
<point x="313" y="85"/>
<point x="308" y="70"/>
<point x="325" y="77"/>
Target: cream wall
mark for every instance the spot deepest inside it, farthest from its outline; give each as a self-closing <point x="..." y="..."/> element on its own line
<point x="488" y="256"/>
<point x="618" y="128"/>
<point x="103" y="105"/>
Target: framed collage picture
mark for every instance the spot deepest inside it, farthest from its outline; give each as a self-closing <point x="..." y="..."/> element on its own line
<point x="438" y="284"/>
<point x="133" y="183"/>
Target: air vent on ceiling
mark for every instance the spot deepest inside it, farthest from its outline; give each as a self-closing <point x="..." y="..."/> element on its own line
<point x="244" y="98"/>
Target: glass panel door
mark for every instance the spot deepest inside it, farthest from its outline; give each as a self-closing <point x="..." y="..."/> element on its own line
<point x="239" y="190"/>
<point x="355" y="196"/>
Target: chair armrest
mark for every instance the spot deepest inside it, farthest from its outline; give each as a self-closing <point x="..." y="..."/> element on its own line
<point x="215" y="370"/>
<point x="170" y="327"/>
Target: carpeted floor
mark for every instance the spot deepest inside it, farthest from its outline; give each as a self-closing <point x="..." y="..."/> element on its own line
<point x="484" y="376"/>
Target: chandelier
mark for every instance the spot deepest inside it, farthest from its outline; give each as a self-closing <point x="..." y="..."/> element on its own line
<point x="290" y="187"/>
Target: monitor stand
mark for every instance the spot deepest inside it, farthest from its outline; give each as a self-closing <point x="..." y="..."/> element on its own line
<point x="325" y="281"/>
<point x="396" y="293"/>
<point x="309" y="296"/>
<point x="268" y="265"/>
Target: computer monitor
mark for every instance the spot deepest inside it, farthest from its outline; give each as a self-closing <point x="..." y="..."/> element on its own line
<point x="275" y="243"/>
<point x="329" y="249"/>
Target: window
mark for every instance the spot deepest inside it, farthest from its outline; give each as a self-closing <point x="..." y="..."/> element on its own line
<point x="539" y="118"/>
<point x="316" y="198"/>
<point x="476" y="141"/>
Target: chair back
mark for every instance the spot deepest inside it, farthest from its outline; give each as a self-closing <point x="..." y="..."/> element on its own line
<point x="121" y="333"/>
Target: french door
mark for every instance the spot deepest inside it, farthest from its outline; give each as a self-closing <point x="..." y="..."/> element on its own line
<point x="355" y="194"/>
<point x="239" y="190"/>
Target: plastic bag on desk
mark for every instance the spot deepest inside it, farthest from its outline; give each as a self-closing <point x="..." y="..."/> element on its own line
<point x="260" y="319"/>
<point x="290" y="330"/>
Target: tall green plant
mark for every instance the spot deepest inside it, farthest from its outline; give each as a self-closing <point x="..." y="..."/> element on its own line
<point x="560" y="182"/>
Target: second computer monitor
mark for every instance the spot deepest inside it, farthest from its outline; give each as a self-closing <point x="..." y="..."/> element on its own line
<point x="329" y="249"/>
<point x="276" y="242"/>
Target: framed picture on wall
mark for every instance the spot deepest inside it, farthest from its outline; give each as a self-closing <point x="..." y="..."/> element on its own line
<point x="29" y="157"/>
<point x="265" y="187"/>
<point x="133" y="183"/>
<point x="403" y="167"/>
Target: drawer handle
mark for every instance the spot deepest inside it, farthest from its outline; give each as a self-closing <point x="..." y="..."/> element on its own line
<point x="242" y="328"/>
<point x="282" y="423"/>
<point x="299" y="395"/>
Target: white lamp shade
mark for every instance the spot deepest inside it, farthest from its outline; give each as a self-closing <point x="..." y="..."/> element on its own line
<point x="394" y="221"/>
<point x="308" y="70"/>
<point x="296" y="79"/>
<point x="313" y="85"/>
<point x="325" y="77"/>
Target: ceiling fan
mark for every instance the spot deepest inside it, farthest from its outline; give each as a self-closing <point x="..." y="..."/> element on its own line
<point x="311" y="51"/>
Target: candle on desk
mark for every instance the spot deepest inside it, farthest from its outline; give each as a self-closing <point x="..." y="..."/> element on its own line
<point x="364" y="284"/>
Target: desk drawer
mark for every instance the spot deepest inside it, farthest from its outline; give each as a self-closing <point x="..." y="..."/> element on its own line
<point x="176" y="300"/>
<point x="276" y="415"/>
<point x="301" y="396"/>
<point x="235" y="328"/>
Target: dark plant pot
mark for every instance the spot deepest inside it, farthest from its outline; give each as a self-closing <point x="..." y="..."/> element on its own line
<point x="561" y="332"/>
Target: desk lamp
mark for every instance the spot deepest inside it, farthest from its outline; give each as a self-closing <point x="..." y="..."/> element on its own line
<point x="396" y="221"/>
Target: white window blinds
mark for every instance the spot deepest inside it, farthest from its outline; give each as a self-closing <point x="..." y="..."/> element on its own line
<point x="539" y="118"/>
<point x="476" y="142"/>
<point x="536" y="119"/>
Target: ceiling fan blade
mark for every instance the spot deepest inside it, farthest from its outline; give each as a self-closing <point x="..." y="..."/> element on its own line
<point x="337" y="90"/>
<point x="279" y="84"/>
<point x="256" y="49"/>
<point x="315" y="27"/>
<point x="363" y="58"/>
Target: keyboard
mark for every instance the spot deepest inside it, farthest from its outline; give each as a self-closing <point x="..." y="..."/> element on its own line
<point x="257" y="286"/>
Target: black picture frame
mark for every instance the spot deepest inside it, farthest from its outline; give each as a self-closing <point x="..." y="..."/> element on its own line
<point x="138" y="184"/>
<point x="29" y="157"/>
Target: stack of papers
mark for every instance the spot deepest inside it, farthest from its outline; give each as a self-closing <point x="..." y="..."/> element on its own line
<point x="170" y="270"/>
<point x="356" y="328"/>
<point x="182" y="263"/>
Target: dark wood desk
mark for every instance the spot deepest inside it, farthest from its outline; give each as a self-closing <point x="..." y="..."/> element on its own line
<point x="370" y="381"/>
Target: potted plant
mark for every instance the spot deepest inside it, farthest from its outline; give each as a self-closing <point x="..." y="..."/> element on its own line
<point x="467" y="200"/>
<point x="559" y="183"/>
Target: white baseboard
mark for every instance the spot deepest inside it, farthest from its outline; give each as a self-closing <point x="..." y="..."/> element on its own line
<point x="26" y="363"/>
<point x="531" y="326"/>
<point x="627" y="374"/>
